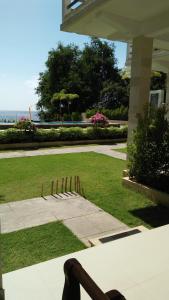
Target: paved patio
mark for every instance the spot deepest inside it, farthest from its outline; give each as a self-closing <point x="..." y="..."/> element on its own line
<point x="103" y="149"/>
<point x="82" y="217"/>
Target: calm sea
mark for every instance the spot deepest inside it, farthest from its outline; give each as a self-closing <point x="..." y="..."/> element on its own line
<point x="9" y="116"/>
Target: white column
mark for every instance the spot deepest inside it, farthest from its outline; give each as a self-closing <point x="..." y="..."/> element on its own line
<point x="167" y="95"/>
<point x="140" y="80"/>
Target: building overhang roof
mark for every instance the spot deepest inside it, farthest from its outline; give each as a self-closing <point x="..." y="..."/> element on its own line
<point x="121" y="20"/>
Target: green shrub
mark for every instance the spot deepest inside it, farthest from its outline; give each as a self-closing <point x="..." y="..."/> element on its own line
<point x="47" y="135"/>
<point x="25" y="124"/>
<point x="14" y="136"/>
<point x="66" y="117"/>
<point x="76" y="116"/>
<point x="71" y="134"/>
<point x="149" y="152"/>
<point x="105" y="133"/>
<point x="61" y="134"/>
<point x="120" y="113"/>
<point x="91" y="112"/>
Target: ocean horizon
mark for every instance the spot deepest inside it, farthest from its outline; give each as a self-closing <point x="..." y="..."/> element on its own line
<point x="8" y="116"/>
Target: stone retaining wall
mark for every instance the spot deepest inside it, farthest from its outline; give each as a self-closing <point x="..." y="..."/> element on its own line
<point x="156" y="196"/>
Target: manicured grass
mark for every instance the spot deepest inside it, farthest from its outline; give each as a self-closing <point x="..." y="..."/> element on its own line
<point x="122" y="150"/>
<point x="27" y="247"/>
<point x="21" y="178"/>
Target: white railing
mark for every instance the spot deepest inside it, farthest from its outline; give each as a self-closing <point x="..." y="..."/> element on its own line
<point x="69" y="5"/>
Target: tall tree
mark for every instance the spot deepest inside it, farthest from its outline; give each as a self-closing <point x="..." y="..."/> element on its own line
<point x="61" y="73"/>
<point x="84" y="72"/>
<point x="98" y="65"/>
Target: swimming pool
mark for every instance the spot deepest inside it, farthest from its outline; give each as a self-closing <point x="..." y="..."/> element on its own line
<point x="50" y="124"/>
<point x="60" y="123"/>
<point x="46" y="125"/>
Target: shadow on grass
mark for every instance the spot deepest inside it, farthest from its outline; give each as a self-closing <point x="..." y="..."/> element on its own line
<point x="155" y="216"/>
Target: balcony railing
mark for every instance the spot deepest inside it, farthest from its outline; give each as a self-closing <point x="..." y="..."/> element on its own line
<point x="69" y="5"/>
<point x="73" y="3"/>
<point x="75" y="276"/>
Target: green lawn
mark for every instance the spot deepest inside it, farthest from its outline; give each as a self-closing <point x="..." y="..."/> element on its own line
<point x="21" y="178"/>
<point x="122" y="150"/>
<point x="27" y="247"/>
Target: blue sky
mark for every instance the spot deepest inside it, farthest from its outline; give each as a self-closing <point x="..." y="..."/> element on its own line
<point x="28" y="30"/>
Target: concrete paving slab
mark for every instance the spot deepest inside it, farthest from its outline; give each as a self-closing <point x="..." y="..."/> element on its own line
<point x="104" y="149"/>
<point x="39" y="219"/>
<point x="73" y="208"/>
<point x="4" y="209"/>
<point x="25" y="203"/>
<point x="16" y="221"/>
<point x="96" y="223"/>
<point x="81" y="216"/>
<point x="9" y="225"/>
<point x="111" y="153"/>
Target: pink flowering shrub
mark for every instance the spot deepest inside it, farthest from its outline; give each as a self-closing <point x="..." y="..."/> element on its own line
<point x="25" y="124"/>
<point x="99" y="119"/>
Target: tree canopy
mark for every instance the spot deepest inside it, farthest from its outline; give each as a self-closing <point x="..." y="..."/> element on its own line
<point x="85" y="73"/>
<point x="90" y="75"/>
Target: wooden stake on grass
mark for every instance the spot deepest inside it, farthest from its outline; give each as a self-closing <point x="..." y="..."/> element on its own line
<point x="52" y="187"/>
<point x="66" y="184"/>
<point x="79" y="185"/>
<point x="70" y="186"/>
<point x="62" y="185"/>
<point x="83" y="193"/>
<point x="57" y="184"/>
<point x="42" y="190"/>
<point x="75" y="182"/>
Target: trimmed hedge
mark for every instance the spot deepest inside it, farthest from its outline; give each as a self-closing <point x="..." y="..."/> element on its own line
<point x="62" y="134"/>
<point x="149" y="152"/>
<point x="120" y="113"/>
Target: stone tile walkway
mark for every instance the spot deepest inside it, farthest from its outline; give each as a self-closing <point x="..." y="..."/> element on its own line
<point x="103" y="149"/>
<point x="82" y="217"/>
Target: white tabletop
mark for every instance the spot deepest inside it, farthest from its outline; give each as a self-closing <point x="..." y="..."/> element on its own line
<point x="137" y="266"/>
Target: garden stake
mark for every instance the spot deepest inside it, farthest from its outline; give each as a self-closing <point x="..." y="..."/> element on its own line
<point x="70" y="188"/>
<point x="79" y="186"/>
<point x="75" y="183"/>
<point x="52" y="187"/>
<point x="83" y="193"/>
<point x="57" y="183"/>
<point x="66" y="184"/>
<point x="62" y="185"/>
<point x="42" y="191"/>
